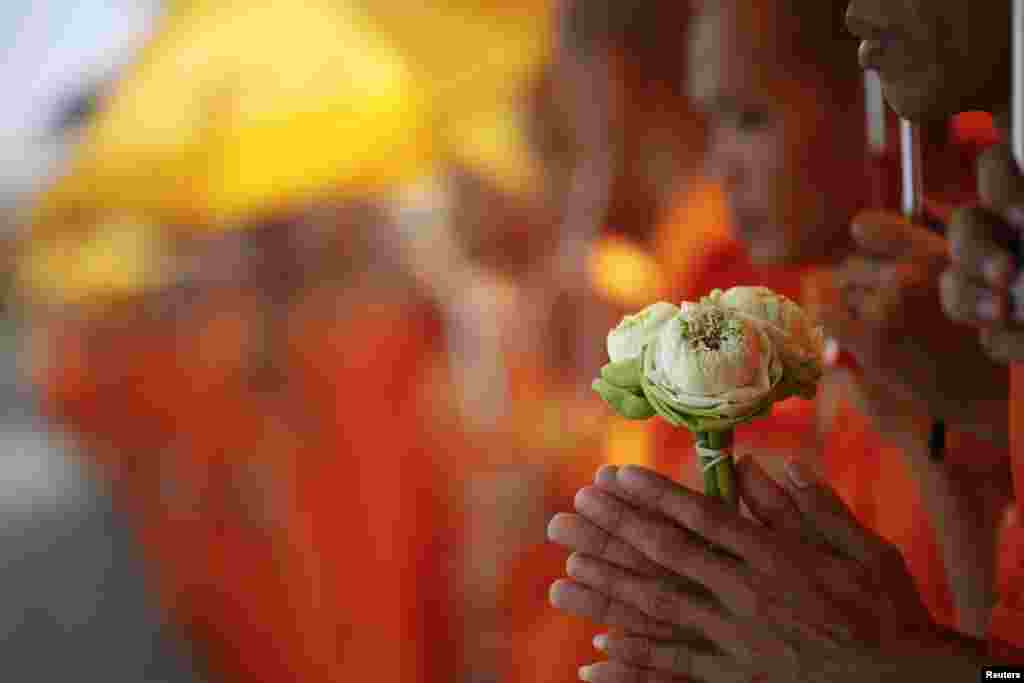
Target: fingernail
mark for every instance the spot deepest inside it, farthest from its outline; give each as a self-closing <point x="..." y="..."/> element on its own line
<point x="601" y="641"/>
<point x="799" y="473"/>
<point x="633" y="479"/>
<point x="586" y="672"/>
<point x="572" y="565"/>
<point x="554" y="525"/>
<point x="606" y="474"/>
<point x="988" y="309"/>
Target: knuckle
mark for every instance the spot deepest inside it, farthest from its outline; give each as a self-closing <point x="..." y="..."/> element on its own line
<point x="662" y="602"/>
<point x="970" y="236"/>
<point x="995" y="174"/>
<point x="790" y="654"/>
<point x="704" y="521"/>
<point x="665" y="544"/>
<point x="1001" y="345"/>
<point x="682" y="661"/>
<point x="640" y="651"/>
<point x="749" y="600"/>
<point x="604" y="609"/>
<point x="949" y="293"/>
<point x="605" y="544"/>
<point x="618" y="552"/>
<point x="761" y="604"/>
<point x="616" y="514"/>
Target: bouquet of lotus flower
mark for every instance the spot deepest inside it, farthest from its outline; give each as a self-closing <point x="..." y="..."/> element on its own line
<point x="710" y="366"/>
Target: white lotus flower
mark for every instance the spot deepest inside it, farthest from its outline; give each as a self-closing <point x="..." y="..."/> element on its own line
<point x="712" y="362"/>
<point x="628" y="339"/>
<point x="801" y="344"/>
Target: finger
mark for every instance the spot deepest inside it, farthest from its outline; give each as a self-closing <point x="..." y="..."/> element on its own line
<point x="1002" y="345"/>
<point x="981" y="246"/>
<point x="621" y="672"/>
<point x="660" y="600"/>
<point x="1000" y="185"/>
<point x="580" y="534"/>
<point x="890" y="236"/>
<point x="866" y="288"/>
<point x="676" y="658"/>
<point x="853" y="333"/>
<point x="661" y="540"/>
<point x="820" y="505"/>
<point x="706" y="517"/>
<point x="858" y="271"/>
<point x="766" y="500"/>
<point x="583" y="601"/>
<point x="966" y="300"/>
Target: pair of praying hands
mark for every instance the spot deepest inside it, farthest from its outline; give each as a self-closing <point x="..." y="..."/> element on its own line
<point x="693" y="590"/>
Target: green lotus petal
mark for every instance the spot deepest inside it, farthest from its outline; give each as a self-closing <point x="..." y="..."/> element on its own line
<point x="673" y="418"/>
<point x="627" y="374"/>
<point x="699" y="419"/>
<point x="622" y="401"/>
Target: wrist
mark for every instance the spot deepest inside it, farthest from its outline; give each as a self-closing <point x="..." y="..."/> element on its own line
<point x="941" y="655"/>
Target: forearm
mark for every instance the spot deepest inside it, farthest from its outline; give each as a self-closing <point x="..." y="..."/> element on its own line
<point x="987" y="421"/>
<point x="953" y="657"/>
<point x="964" y="510"/>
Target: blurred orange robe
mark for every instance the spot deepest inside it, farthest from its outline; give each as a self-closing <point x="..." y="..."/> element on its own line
<point x="310" y="549"/>
<point x="380" y="498"/>
<point x="545" y="645"/>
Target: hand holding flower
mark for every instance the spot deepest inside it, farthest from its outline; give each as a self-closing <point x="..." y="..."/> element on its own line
<point x="803" y="593"/>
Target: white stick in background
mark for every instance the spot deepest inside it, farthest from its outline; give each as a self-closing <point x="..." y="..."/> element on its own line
<point x="913" y="209"/>
<point x="1017" y="84"/>
<point x="874" y="104"/>
<point x="910" y="166"/>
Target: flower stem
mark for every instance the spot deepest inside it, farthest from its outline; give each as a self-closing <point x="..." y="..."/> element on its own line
<point x="720" y="479"/>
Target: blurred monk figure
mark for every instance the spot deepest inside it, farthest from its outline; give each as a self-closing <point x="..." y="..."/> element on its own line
<point x="614" y="127"/>
<point x="236" y="418"/>
<point x="783" y="91"/>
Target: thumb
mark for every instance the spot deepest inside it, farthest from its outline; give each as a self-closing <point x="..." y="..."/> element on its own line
<point x="891" y="236"/>
<point x="823" y="510"/>
<point x="843" y="323"/>
<point x="1000" y="184"/>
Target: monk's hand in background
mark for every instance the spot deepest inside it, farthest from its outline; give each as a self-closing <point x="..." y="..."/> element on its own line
<point x="893" y="322"/>
<point x="800" y="593"/>
<point x="983" y="285"/>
